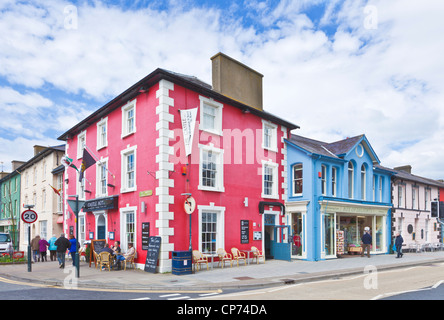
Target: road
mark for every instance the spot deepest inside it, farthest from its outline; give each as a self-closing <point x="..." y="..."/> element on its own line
<point x="414" y="283"/>
<point x="20" y="290"/>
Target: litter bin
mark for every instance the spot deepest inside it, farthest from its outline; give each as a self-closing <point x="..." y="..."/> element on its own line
<point x="182" y="262"/>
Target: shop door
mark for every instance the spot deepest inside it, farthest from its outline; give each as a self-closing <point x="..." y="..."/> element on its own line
<point x="281" y="244"/>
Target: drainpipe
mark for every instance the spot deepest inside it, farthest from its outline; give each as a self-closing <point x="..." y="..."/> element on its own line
<point x="316" y="216"/>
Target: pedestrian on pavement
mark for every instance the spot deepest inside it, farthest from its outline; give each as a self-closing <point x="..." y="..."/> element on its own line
<point x="62" y="245"/>
<point x="35" y="248"/>
<point x="73" y="248"/>
<point x="43" y="245"/>
<point x="398" y="244"/>
<point x="366" y="242"/>
<point x="52" y="248"/>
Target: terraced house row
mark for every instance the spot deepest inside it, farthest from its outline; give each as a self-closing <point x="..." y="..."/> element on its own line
<point x="206" y="167"/>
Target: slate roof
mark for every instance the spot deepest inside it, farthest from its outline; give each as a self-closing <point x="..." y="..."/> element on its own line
<point x="332" y="150"/>
<point x="189" y="82"/>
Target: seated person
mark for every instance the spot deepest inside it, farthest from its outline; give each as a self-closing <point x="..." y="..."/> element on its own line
<point x="107" y="249"/>
<point x="125" y="256"/>
<point x="116" y="248"/>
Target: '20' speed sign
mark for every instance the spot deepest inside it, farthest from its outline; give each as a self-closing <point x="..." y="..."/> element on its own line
<point x="29" y="216"/>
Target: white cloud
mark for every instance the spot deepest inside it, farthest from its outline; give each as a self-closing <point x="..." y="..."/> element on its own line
<point x="385" y="82"/>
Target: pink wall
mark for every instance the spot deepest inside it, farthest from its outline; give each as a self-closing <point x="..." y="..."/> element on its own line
<point x="240" y="180"/>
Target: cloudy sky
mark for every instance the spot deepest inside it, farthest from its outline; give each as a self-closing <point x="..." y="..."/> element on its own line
<point x="336" y="68"/>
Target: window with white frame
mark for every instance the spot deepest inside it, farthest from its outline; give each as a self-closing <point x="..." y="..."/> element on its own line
<point x="60" y="198"/>
<point x="211" y="175"/>
<point x="210" y="116"/>
<point x="297" y="179"/>
<point x="102" y="178"/>
<point x="80" y="187"/>
<point x="211" y="228"/>
<point x="363" y="182"/>
<point x="323" y="180"/>
<point x="81" y="143"/>
<point x="334" y="177"/>
<point x="128" y="169"/>
<point x="129" y="118"/>
<point x="128" y="227"/>
<point x="102" y="134"/>
<point x="269" y="180"/>
<point x="400" y="197"/>
<point x="381" y="180"/>
<point x="351" y="177"/>
<point x="269" y="136"/>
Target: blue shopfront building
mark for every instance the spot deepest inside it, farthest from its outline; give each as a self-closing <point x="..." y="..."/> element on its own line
<point x="335" y="190"/>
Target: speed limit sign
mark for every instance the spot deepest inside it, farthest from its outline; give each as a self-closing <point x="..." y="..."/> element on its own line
<point x="29" y="216"/>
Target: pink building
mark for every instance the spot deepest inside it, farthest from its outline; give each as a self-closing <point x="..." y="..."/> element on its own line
<point x="142" y="173"/>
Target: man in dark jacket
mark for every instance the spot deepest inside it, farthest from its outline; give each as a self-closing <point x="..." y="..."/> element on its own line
<point x="366" y="241"/>
<point x="62" y="245"/>
<point x="398" y="244"/>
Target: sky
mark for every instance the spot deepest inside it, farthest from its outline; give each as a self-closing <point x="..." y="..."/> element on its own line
<point x="336" y="68"/>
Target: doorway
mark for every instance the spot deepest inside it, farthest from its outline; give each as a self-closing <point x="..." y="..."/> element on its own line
<point x="277" y="244"/>
<point x="101" y="227"/>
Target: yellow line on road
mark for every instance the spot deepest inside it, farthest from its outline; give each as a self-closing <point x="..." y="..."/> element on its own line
<point x="73" y="287"/>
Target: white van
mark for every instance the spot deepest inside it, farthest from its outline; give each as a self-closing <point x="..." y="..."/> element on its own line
<point x="5" y="243"/>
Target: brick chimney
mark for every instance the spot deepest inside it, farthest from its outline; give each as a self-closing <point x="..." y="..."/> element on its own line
<point x="407" y="168"/>
<point x="237" y="81"/>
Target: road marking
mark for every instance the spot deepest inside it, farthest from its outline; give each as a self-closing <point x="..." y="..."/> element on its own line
<point x="40" y="285"/>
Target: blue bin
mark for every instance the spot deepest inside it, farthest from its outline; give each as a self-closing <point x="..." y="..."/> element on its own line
<point x="182" y="262"/>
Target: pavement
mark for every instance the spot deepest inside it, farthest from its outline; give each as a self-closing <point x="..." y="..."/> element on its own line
<point x="268" y="274"/>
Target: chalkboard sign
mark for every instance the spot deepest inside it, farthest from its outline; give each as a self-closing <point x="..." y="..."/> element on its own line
<point x="245" y="231"/>
<point x="153" y="254"/>
<point x="145" y="235"/>
<point x="97" y="246"/>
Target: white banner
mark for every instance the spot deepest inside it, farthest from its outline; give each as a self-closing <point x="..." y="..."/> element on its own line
<point x="188" y="118"/>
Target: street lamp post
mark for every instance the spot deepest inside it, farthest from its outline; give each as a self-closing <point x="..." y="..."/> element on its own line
<point x="76" y="206"/>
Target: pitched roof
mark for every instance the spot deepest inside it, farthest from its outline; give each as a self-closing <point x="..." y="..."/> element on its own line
<point x="189" y="82"/>
<point x="403" y="175"/>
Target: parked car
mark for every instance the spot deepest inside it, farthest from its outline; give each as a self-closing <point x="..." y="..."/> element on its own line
<point x="5" y="243"/>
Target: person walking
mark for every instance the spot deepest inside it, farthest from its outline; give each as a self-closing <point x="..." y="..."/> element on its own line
<point x="398" y="244"/>
<point x="35" y="247"/>
<point x="43" y="245"/>
<point x="62" y="245"/>
<point x="73" y="248"/>
<point x="52" y="248"/>
<point x="366" y="242"/>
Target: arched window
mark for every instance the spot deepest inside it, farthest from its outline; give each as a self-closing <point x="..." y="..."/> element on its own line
<point x="363" y="182"/>
<point x="350" y="179"/>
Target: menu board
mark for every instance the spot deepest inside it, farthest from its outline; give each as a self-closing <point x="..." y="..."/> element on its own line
<point x="153" y="254"/>
<point x="145" y="235"/>
<point x="97" y="246"/>
<point x="245" y="231"/>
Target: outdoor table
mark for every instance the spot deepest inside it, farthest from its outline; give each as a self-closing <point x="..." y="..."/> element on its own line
<point x="211" y="255"/>
<point x="248" y="254"/>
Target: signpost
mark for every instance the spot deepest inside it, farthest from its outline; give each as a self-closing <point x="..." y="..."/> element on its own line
<point x="189" y="206"/>
<point x="29" y="216"/>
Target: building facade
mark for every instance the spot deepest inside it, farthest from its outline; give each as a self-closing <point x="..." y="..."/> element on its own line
<point x="335" y="190"/>
<point x="171" y="136"/>
<point x="37" y="188"/>
<point x="10" y="186"/>
<point x="412" y="197"/>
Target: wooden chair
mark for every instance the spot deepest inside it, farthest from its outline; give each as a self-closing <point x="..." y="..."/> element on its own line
<point x="199" y="258"/>
<point x="130" y="261"/>
<point x="224" y="256"/>
<point x="105" y="260"/>
<point x="96" y="259"/>
<point x="237" y="255"/>
<point x="257" y="254"/>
